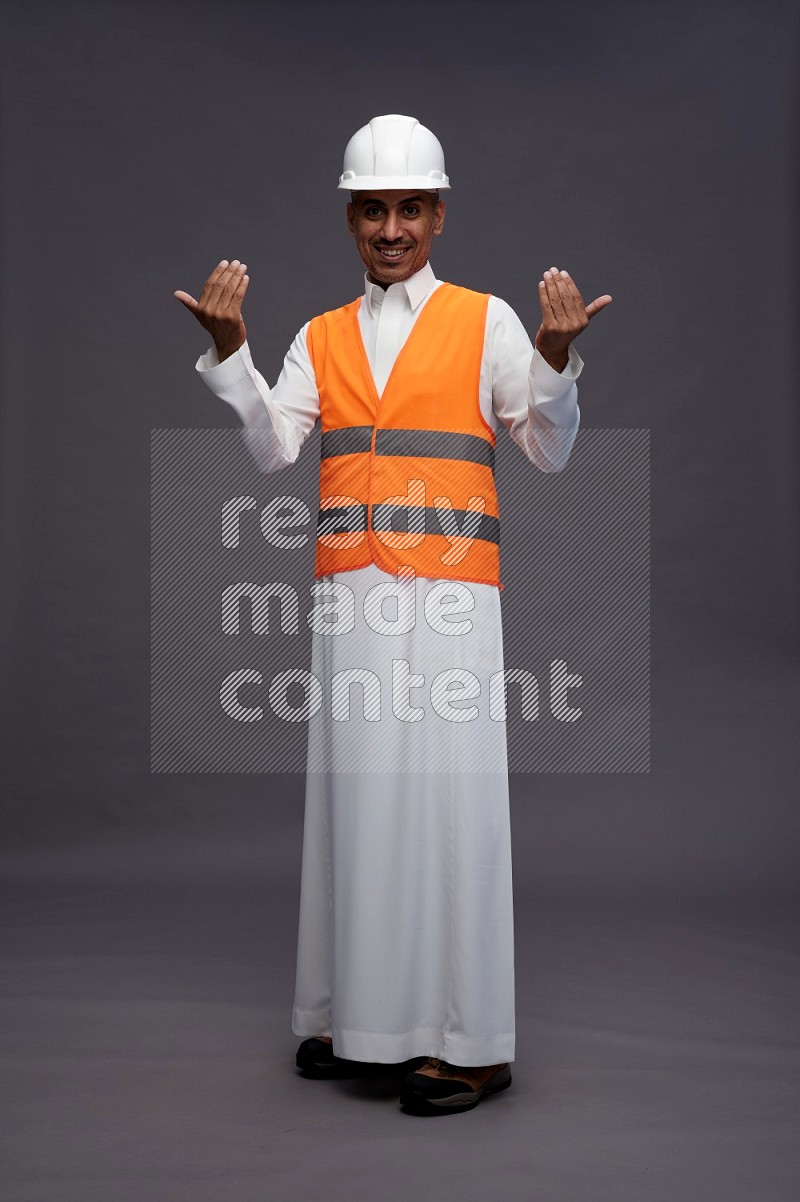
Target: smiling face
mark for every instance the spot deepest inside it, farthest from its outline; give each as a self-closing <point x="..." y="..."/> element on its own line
<point x="394" y="231"/>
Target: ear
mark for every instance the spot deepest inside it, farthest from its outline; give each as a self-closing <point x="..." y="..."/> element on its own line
<point x="439" y="213"/>
<point x="350" y="216"/>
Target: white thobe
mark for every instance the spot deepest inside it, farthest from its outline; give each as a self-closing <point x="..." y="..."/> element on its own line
<point x="405" y="939"/>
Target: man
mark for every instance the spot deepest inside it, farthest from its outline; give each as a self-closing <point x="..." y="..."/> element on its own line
<point x="405" y="941"/>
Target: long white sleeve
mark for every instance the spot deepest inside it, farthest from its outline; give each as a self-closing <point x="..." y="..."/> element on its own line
<point x="277" y="421"/>
<point x="538" y="405"/>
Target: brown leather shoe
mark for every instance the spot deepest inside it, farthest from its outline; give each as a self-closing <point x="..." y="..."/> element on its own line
<point x="441" y="1088"/>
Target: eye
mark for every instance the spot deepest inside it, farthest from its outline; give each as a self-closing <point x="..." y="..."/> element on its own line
<point x="372" y="211"/>
<point x="412" y="211"/>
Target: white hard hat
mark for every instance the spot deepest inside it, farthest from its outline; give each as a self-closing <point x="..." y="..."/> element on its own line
<point x="393" y="152"/>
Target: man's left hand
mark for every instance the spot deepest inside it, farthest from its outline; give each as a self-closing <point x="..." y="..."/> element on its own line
<point x="564" y="316"/>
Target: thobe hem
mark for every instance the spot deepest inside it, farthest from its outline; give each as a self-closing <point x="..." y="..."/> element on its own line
<point x="380" y="1047"/>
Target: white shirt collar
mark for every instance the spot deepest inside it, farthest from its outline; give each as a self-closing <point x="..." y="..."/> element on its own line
<point x="416" y="288"/>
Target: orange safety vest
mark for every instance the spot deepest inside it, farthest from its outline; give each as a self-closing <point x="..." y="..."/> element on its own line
<point x="407" y="478"/>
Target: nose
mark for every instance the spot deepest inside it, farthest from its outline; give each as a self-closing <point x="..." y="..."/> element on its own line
<point x="392" y="227"/>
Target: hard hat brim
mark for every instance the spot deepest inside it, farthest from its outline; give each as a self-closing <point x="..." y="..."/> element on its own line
<point x="381" y="183"/>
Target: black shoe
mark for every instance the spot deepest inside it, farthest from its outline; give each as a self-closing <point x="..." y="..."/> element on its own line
<point x="451" y="1091"/>
<point x="316" y="1059"/>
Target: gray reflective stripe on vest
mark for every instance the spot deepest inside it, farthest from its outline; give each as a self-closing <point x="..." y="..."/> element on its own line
<point x="350" y="519"/>
<point x="383" y="518"/>
<point x="435" y="444"/>
<point x="342" y="519"/>
<point x="350" y="440"/>
<point x="423" y="444"/>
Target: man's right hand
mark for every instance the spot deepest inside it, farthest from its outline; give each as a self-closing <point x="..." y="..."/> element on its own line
<point x="219" y="309"/>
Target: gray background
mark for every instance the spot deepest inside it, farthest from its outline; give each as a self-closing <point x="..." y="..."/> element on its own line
<point x="150" y="920"/>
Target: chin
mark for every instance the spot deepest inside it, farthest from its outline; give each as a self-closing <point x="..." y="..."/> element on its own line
<point x="393" y="277"/>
